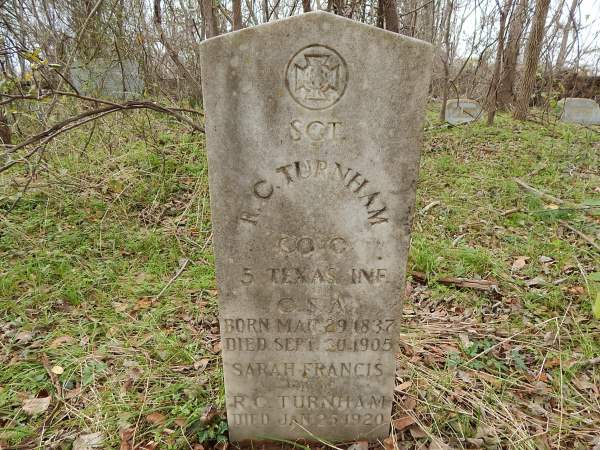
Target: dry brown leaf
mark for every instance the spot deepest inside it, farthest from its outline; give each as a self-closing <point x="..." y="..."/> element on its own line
<point x="550" y="337"/>
<point x="156" y="418"/>
<point x="477" y="442"/>
<point x="217" y="347"/>
<point x="403" y="387"/>
<point x="438" y="445"/>
<point x="576" y="290"/>
<point x="181" y="422"/>
<point x="464" y="339"/>
<point x="24" y="337"/>
<point x="72" y="393"/>
<point x="403" y="422"/>
<point x="552" y="362"/>
<point x="537" y="281"/>
<point x="519" y="263"/>
<point x="359" y="445"/>
<point x="120" y="306"/>
<point x="409" y="404"/>
<point x="125" y="434"/>
<point x="582" y="384"/>
<point x="209" y="413"/>
<point x="34" y="406"/>
<point x="388" y="443"/>
<point x="89" y="441"/>
<point x="61" y="340"/>
<point x="143" y="303"/>
<point x="484" y="431"/>
<point x="201" y="364"/>
<point x="416" y="432"/>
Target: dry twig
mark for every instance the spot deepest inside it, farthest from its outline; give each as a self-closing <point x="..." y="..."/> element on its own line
<point x="482" y="285"/>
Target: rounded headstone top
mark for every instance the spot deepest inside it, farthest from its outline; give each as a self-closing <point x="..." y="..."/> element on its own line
<point x="459" y="111"/>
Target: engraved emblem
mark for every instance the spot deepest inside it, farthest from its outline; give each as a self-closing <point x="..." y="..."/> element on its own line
<point x="316" y="77"/>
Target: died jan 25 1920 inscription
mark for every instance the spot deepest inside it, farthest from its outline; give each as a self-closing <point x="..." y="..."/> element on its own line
<point x="312" y="167"/>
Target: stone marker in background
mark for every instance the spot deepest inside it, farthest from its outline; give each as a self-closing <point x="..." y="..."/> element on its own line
<point x="314" y="128"/>
<point x="584" y="111"/>
<point x="460" y="111"/>
<point x="108" y="78"/>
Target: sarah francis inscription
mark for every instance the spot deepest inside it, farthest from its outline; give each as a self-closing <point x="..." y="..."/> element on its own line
<point x="312" y="177"/>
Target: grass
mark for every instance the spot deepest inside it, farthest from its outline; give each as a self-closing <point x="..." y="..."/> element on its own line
<point x="117" y="208"/>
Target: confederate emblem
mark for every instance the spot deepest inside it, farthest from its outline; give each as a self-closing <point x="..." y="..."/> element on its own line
<point x="316" y="77"/>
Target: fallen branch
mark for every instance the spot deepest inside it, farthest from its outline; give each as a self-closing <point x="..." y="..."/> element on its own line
<point x="182" y="267"/>
<point x="590" y="362"/>
<point x="87" y="116"/>
<point x="467" y="283"/>
<point x="430" y="205"/>
<point x="508" y="212"/>
<point x="538" y="193"/>
<point x="582" y="235"/>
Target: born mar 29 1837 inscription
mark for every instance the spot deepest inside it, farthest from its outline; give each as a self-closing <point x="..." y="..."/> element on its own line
<point x="314" y="134"/>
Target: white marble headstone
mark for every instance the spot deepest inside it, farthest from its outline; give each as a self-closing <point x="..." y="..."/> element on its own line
<point x="459" y="111"/>
<point x="584" y="111"/>
<point x="314" y="128"/>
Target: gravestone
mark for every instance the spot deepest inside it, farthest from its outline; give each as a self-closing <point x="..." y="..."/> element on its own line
<point x="108" y="78"/>
<point x="584" y="111"/>
<point x="459" y="111"/>
<point x="313" y="128"/>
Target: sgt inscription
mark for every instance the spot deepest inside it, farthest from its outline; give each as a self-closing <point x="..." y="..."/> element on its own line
<point x="312" y="179"/>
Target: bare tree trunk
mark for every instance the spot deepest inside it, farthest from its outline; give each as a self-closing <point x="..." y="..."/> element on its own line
<point x="532" y="57"/>
<point x="446" y="58"/>
<point x="210" y="18"/>
<point x="562" y="53"/>
<point x="390" y="11"/>
<point x="425" y="31"/>
<point x="174" y="54"/>
<point x="493" y="92"/>
<point x="380" y="9"/>
<point x="5" y="134"/>
<point x="306" y="6"/>
<point x="511" y="55"/>
<point x="338" y="7"/>
<point x="237" y="15"/>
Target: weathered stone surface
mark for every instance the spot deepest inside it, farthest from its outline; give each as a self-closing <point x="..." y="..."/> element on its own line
<point x="460" y="111"/>
<point x="584" y="111"/>
<point x="314" y="128"/>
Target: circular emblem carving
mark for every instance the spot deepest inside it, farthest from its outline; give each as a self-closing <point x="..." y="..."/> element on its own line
<point x="316" y="77"/>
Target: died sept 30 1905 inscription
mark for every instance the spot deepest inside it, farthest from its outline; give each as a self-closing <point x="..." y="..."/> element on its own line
<point x="314" y="133"/>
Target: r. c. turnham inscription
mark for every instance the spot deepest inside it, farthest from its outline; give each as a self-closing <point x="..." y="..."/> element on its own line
<point x="314" y="134"/>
